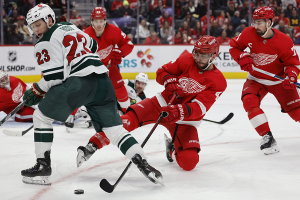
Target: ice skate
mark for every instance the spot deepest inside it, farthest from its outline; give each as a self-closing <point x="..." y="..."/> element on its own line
<point x="41" y="170"/>
<point x="84" y="153"/>
<point x="149" y="172"/>
<point x="169" y="148"/>
<point x="268" y="144"/>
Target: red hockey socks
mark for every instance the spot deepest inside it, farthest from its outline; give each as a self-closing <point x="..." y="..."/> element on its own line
<point x="259" y="121"/>
<point x="74" y="112"/>
<point x="100" y="140"/>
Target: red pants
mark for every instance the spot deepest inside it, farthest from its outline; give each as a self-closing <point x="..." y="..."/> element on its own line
<point x="24" y="115"/>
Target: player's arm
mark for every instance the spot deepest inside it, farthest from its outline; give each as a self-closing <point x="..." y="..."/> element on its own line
<point x="124" y="43"/>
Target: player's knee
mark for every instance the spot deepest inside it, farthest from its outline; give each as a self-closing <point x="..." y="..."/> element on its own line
<point x="295" y="114"/>
<point x="250" y="102"/>
<point x="40" y="120"/>
<point x="130" y="121"/>
<point x="187" y="159"/>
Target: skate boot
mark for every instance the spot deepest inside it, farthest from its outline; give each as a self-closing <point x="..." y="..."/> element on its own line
<point x="70" y="123"/>
<point x="268" y="144"/>
<point x="169" y="148"/>
<point x="41" y="169"/>
<point x="149" y="172"/>
<point x="84" y="153"/>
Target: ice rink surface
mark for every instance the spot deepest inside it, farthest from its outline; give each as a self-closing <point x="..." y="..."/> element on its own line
<point x="231" y="165"/>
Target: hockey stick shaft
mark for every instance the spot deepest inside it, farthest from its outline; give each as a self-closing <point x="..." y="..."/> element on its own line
<point x="16" y="133"/>
<point x="272" y="75"/>
<point x="104" y="184"/>
<point x="13" y="112"/>
<point x="226" y="119"/>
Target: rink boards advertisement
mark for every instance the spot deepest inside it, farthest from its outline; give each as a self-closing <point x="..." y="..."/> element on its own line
<point x="19" y="61"/>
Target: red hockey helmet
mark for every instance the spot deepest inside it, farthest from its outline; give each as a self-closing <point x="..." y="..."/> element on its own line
<point x="265" y="13"/>
<point x="207" y="44"/>
<point x="98" y="13"/>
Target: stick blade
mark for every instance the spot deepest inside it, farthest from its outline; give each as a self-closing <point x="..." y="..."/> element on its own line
<point x="106" y="186"/>
<point x="12" y="133"/>
<point x="227" y="118"/>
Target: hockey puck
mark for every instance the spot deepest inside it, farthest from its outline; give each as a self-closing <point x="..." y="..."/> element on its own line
<point x="79" y="191"/>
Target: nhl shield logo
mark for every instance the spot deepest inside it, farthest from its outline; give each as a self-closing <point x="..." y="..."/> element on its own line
<point x="12" y="56"/>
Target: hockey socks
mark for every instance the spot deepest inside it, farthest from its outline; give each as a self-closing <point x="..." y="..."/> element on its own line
<point x="100" y="140"/>
<point x="259" y="121"/>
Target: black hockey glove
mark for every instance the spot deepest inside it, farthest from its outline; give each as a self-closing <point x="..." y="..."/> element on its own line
<point x="34" y="95"/>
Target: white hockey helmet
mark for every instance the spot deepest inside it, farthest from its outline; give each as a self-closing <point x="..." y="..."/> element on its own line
<point x="142" y="77"/>
<point x="4" y="81"/>
<point x="40" y="11"/>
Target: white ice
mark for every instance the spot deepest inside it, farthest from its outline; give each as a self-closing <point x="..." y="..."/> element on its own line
<point x="231" y="165"/>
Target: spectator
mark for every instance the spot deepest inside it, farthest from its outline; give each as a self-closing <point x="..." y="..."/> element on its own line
<point x="24" y="30"/>
<point x="114" y="7"/>
<point x="143" y="30"/>
<point x="165" y="17"/>
<point x="241" y="27"/>
<point x="191" y="8"/>
<point x="157" y="13"/>
<point x="125" y="10"/>
<point x="153" y="39"/>
<point x="74" y="18"/>
<point x="222" y="21"/>
<point x="236" y="20"/>
<point x="284" y="29"/>
<point x="166" y="32"/>
<point x="223" y="39"/>
<point x="288" y="10"/>
<point x="27" y="7"/>
<point x="14" y="17"/>
<point x="178" y="10"/>
<point x="14" y="36"/>
<point x="204" y="20"/>
<point x="296" y="34"/>
<point x="5" y="17"/>
<point x="294" y="19"/>
<point x="153" y="4"/>
<point x="215" y="30"/>
<point x="237" y="34"/>
<point x="198" y="31"/>
<point x="130" y="36"/>
<point x="187" y="39"/>
<point x="229" y="31"/>
<point x="178" y="37"/>
<point x="82" y="24"/>
<point x="185" y="28"/>
<point x="282" y="17"/>
<point x="286" y="3"/>
<point x="190" y="20"/>
<point x="245" y="8"/>
<point x="230" y="10"/>
<point x="201" y="9"/>
<point x="13" y="6"/>
<point x="261" y="4"/>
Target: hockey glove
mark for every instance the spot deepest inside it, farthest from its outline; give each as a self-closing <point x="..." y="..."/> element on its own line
<point x="172" y="85"/>
<point x="291" y="77"/>
<point x="34" y="95"/>
<point x="245" y="61"/>
<point x="175" y="113"/>
<point x="116" y="56"/>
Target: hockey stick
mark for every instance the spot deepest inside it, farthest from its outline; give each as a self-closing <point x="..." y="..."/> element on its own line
<point x="104" y="184"/>
<point x="16" y="133"/>
<point x="226" y="119"/>
<point x="13" y="112"/>
<point x="272" y="75"/>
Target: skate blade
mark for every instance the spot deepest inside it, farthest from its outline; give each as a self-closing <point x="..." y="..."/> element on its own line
<point x="271" y="150"/>
<point x="44" y="180"/>
<point x="158" y="180"/>
<point x="80" y="158"/>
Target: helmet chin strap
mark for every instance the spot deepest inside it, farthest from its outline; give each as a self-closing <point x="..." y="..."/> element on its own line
<point x="208" y="64"/>
<point x="267" y="30"/>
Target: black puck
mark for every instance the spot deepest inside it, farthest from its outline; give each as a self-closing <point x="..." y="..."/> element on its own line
<point x="79" y="191"/>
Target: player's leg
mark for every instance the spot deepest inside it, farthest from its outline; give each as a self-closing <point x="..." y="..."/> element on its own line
<point x="186" y="146"/>
<point x="118" y="83"/>
<point x="25" y="114"/>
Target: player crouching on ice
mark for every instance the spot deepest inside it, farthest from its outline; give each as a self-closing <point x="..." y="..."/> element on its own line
<point x="270" y="52"/>
<point x="73" y="75"/>
<point x="11" y="92"/>
<point x="198" y="84"/>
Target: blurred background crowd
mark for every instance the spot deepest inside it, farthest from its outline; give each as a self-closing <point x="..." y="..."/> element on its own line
<point x="154" y="21"/>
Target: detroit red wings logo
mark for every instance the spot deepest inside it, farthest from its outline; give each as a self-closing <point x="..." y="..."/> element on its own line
<point x="105" y="52"/>
<point x="190" y="86"/>
<point x="263" y="59"/>
<point x="18" y="93"/>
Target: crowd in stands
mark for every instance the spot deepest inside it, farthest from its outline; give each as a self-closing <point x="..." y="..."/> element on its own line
<point x="227" y="19"/>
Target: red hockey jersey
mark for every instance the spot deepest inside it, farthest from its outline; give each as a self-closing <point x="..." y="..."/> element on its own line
<point x="10" y="99"/>
<point x="111" y="36"/>
<point x="271" y="55"/>
<point x="201" y="88"/>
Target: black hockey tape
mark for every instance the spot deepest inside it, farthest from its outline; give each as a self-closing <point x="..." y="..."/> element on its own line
<point x="79" y="191"/>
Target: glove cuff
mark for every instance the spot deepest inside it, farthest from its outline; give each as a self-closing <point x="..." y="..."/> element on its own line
<point x="242" y="55"/>
<point x="37" y="91"/>
<point x="292" y="69"/>
<point x="170" y="79"/>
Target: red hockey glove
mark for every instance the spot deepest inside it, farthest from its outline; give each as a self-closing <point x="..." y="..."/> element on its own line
<point x="291" y="77"/>
<point x="245" y="61"/>
<point x="172" y="85"/>
<point x="34" y="95"/>
<point x="175" y="113"/>
<point x="116" y="56"/>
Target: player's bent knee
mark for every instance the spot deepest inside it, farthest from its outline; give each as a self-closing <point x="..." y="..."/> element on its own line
<point x="40" y="120"/>
<point x="187" y="159"/>
<point x="250" y="101"/>
<point x="295" y="114"/>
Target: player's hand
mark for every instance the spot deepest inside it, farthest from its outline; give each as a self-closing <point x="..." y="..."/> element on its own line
<point x="34" y="95"/>
<point x="172" y="85"/>
<point x="291" y="77"/>
<point x="116" y="56"/>
<point x="245" y="61"/>
<point x="173" y="113"/>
